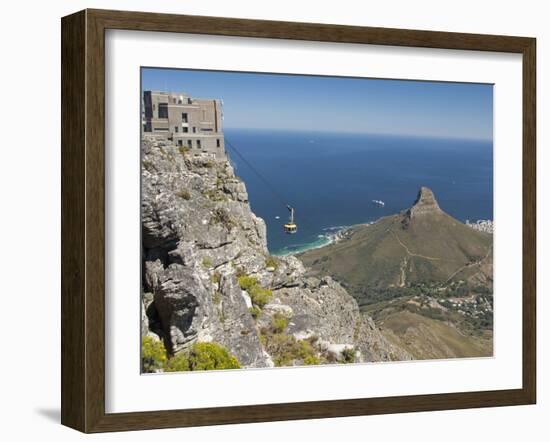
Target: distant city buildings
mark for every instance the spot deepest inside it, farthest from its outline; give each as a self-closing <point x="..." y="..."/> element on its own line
<point x="194" y="123"/>
<point x="483" y="225"/>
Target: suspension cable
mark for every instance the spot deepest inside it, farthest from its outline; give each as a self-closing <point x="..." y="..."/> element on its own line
<point x="258" y="174"/>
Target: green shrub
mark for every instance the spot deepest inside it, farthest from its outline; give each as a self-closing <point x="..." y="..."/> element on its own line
<point x="285" y="349"/>
<point x="311" y="360"/>
<point x="271" y="261"/>
<point x="307" y="353"/>
<point x="281" y="347"/>
<point x="202" y="356"/>
<point x="347" y="355"/>
<point x="263" y="340"/>
<point x="179" y="362"/>
<point x="255" y="311"/>
<point x="279" y="322"/>
<point x="183" y="194"/>
<point x="294" y="350"/>
<point x="153" y="354"/>
<point x="246" y="282"/>
<point x="211" y="356"/>
<point x="259" y="296"/>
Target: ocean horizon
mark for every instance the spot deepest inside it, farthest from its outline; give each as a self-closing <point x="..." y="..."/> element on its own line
<point x="331" y="179"/>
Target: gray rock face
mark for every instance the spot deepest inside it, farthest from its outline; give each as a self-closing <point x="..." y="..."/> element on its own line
<point x="238" y="329"/>
<point x="182" y="303"/>
<point x="144" y="321"/>
<point x="199" y="233"/>
<point x="322" y="308"/>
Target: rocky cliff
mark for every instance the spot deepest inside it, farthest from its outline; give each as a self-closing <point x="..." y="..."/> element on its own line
<point x="207" y="275"/>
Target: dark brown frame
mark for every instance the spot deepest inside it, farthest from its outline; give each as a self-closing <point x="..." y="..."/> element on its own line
<point x="83" y="216"/>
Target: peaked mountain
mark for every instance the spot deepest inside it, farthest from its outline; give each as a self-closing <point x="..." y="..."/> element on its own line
<point x="423" y="276"/>
<point x="420" y="245"/>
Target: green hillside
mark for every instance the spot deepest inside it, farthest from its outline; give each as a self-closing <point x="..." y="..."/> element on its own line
<point x="422" y="244"/>
<point x="424" y="277"/>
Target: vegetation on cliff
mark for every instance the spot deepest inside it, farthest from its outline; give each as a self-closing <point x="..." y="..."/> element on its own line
<point x="208" y="278"/>
<point x="201" y="356"/>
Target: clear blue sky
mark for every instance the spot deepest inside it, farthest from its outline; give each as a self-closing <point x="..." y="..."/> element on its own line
<point x="337" y="104"/>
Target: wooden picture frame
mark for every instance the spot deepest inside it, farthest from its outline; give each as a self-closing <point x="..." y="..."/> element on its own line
<point x="83" y="220"/>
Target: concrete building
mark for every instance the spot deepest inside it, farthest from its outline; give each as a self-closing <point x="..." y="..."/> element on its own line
<point x="195" y="123"/>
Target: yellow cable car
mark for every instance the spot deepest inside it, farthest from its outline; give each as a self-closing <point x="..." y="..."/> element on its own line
<point x="291" y="227"/>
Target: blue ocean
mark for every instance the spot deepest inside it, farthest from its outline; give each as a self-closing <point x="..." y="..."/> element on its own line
<point x="331" y="179"/>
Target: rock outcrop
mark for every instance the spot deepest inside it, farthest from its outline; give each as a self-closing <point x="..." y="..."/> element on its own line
<point x="198" y="236"/>
<point x="425" y="204"/>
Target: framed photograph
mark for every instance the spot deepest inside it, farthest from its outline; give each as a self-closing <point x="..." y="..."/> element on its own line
<point x="267" y="220"/>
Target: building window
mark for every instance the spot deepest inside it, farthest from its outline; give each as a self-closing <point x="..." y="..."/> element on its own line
<point x="194" y="130"/>
<point x="163" y="110"/>
<point x="206" y="129"/>
<point x="184" y="117"/>
<point x="176" y="129"/>
<point x="198" y="144"/>
<point x="185" y="130"/>
<point x="161" y="129"/>
<point x="218" y="143"/>
<point x="148" y="105"/>
<point x="180" y="143"/>
<point x="189" y="144"/>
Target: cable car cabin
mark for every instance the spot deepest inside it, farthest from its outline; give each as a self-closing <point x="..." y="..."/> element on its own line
<point x="290" y="226"/>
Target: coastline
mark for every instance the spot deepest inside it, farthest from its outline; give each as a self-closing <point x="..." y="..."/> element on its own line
<point x="361" y="170"/>
<point x="333" y="235"/>
<point x="337" y="233"/>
